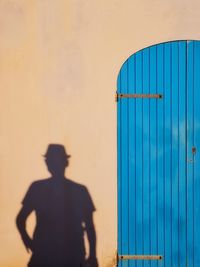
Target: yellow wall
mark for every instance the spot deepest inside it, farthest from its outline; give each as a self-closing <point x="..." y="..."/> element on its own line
<point x="59" y="61"/>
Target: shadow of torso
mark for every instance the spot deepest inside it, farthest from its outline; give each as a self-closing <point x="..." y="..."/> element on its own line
<point x="61" y="208"/>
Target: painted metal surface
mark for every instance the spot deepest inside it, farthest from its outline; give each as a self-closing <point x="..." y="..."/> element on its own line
<point x="158" y="170"/>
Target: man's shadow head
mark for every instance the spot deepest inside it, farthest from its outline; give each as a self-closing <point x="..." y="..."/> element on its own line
<point x="56" y="159"/>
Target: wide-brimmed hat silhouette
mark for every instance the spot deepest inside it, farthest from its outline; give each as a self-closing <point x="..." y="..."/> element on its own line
<point x="56" y="150"/>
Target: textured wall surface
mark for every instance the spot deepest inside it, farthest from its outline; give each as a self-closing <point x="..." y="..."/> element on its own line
<point x="59" y="62"/>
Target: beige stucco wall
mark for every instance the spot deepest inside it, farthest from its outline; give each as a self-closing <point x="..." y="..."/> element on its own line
<point x="59" y="61"/>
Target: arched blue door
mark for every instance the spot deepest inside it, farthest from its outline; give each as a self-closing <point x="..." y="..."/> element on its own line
<point x="158" y="102"/>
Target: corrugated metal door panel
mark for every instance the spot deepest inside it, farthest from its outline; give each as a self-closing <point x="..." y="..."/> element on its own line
<point x="158" y="182"/>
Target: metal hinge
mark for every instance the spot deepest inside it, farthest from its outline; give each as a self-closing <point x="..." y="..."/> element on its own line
<point x="140" y="257"/>
<point x="136" y="257"/>
<point x="117" y="96"/>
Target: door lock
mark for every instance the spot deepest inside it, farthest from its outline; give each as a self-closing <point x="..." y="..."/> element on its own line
<point x="194" y="150"/>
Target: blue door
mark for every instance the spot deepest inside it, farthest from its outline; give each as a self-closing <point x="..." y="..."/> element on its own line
<point x="158" y="103"/>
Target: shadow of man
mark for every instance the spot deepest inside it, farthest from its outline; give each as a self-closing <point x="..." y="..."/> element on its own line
<point x="63" y="214"/>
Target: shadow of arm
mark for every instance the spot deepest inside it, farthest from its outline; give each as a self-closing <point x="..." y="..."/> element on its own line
<point x="91" y="235"/>
<point x="21" y="226"/>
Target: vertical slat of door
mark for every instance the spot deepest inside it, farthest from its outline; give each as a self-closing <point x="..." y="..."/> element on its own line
<point x="124" y="166"/>
<point x="175" y="154"/>
<point x="146" y="151"/>
<point x="119" y="172"/>
<point x="167" y="127"/>
<point x="182" y="153"/>
<point x="139" y="163"/>
<point x="132" y="156"/>
<point x="197" y="155"/>
<point x="190" y="184"/>
<point x="153" y="160"/>
<point x="160" y="150"/>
